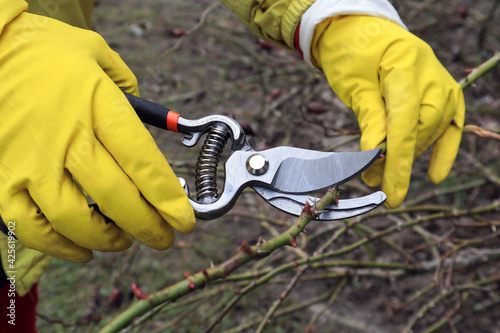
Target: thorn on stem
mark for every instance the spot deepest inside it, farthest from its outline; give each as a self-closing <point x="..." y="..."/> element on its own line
<point x="335" y="192"/>
<point x="138" y="292"/>
<point x="246" y="248"/>
<point x="309" y="210"/>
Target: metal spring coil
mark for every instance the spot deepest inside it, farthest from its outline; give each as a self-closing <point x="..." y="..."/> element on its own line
<point x="208" y="160"/>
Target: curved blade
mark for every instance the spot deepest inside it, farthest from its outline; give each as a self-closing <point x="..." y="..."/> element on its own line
<point x="346" y="208"/>
<point x="309" y="171"/>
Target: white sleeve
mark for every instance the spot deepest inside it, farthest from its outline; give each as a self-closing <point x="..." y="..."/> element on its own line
<point x="323" y="9"/>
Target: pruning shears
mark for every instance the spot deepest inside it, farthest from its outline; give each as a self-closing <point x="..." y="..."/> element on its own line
<point x="282" y="176"/>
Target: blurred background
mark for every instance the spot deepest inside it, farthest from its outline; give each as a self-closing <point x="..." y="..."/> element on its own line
<point x="438" y="273"/>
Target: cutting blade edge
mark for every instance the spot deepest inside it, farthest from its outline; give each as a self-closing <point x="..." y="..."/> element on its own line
<point x="345" y="208"/>
<point x="310" y="172"/>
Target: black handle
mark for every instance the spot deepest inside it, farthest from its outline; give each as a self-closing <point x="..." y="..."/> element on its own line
<point x="154" y="114"/>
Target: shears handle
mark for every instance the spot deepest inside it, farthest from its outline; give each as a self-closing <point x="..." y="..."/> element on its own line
<point x="219" y="130"/>
<point x="154" y="114"/>
<point x="164" y="118"/>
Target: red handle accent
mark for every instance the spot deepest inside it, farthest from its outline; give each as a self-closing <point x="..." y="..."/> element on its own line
<point x="172" y="118"/>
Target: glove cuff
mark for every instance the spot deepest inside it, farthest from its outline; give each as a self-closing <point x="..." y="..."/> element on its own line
<point x="323" y="9"/>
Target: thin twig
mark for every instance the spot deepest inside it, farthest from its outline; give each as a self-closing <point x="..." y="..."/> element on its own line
<point x="278" y="302"/>
<point x="282" y="312"/>
<point x="432" y="303"/>
<point x="484" y="26"/>
<point x="482" y="132"/>
<point x="195" y="28"/>
<point x="478" y="72"/>
<point x="332" y="299"/>
<point x="489" y="174"/>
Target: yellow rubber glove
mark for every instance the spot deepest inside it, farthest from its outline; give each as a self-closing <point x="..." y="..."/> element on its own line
<point x="399" y="92"/>
<point x="65" y="119"/>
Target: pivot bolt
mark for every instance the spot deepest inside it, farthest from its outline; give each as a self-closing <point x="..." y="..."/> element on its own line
<point x="257" y="164"/>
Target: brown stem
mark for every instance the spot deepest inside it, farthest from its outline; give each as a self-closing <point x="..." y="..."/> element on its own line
<point x="199" y="280"/>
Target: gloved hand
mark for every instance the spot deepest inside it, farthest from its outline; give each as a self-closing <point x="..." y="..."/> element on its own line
<point x="66" y="122"/>
<point x="399" y="92"/>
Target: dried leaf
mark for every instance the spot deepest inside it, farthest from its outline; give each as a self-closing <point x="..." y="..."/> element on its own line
<point x="115" y="298"/>
<point x="276" y="92"/>
<point x="247" y="128"/>
<point x="463" y="11"/>
<point x="483" y="132"/>
<point x="316" y="107"/>
<point x="265" y="45"/>
<point x="178" y="32"/>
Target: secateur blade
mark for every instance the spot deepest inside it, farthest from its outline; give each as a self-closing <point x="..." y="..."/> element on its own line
<point x="311" y="171"/>
<point x="306" y="171"/>
<point x="345" y="208"/>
